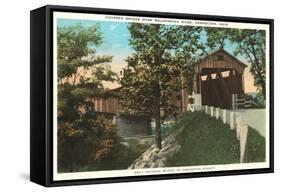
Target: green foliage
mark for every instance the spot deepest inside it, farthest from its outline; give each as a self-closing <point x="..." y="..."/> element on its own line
<point x="256" y="101"/>
<point x="123" y="155"/>
<point x="82" y="147"/>
<point x="84" y="137"/>
<point x="204" y="141"/>
<point x="155" y="69"/>
<point x="217" y="37"/>
<point x="260" y="99"/>
<point x="251" y="43"/>
<point x="76" y="50"/>
<point x="255" y="146"/>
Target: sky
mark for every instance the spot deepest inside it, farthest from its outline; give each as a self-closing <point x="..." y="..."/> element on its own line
<point x="115" y="42"/>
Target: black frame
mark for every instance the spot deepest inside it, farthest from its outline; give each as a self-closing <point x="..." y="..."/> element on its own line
<point x="41" y="81"/>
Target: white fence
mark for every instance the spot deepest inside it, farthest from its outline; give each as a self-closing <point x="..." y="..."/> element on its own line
<point x="234" y="121"/>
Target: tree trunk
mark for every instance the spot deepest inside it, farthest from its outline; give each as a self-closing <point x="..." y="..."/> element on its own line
<point x="158" y="132"/>
<point x="261" y="81"/>
<point x="158" y="119"/>
<point x="263" y="89"/>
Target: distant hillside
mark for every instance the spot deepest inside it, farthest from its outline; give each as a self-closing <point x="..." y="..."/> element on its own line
<point x="253" y="94"/>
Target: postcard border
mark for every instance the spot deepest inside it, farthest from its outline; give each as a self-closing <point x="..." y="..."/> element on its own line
<point x="49" y="94"/>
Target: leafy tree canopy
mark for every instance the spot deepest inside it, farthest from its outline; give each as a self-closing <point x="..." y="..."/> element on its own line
<point x="84" y="136"/>
<point x="155" y="68"/>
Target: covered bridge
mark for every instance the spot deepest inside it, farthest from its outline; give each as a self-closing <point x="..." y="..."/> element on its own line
<point x="217" y="78"/>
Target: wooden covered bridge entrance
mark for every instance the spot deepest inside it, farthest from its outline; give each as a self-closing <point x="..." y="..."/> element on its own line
<point x="217" y="78"/>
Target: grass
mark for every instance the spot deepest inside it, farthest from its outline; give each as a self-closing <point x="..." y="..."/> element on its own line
<point x="255" y="146"/>
<point x="206" y="141"/>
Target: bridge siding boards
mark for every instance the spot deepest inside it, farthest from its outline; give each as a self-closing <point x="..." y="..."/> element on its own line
<point x="112" y="105"/>
<point x="108" y="105"/>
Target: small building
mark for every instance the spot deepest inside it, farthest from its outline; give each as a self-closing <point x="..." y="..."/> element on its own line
<point x="218" y="77"/>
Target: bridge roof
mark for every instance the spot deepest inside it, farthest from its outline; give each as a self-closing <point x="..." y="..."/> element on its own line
<point x="219" y="59"/>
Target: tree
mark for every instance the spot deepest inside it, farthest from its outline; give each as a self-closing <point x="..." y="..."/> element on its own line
<point x="249" y="43"/>
<point x="84" y="137"/>
<point x="155" y="68"/>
